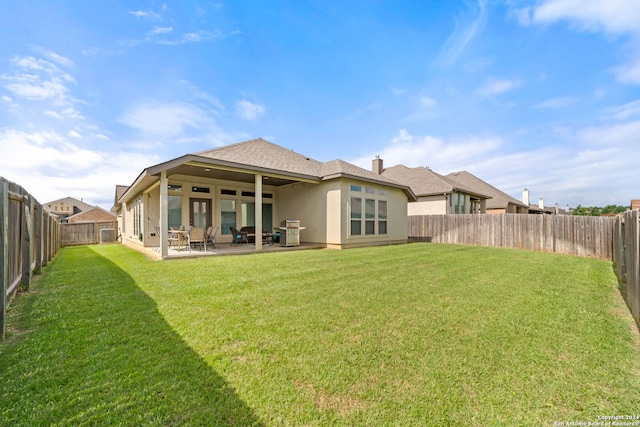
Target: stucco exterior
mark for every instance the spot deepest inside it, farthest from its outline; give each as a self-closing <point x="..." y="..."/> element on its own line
<point x="321" y="203"/>
<point x="433" y="205"/>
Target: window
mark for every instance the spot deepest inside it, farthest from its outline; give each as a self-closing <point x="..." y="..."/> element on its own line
<point x="200" y="189"/>
<point x="137" y="217"/>
<point x="370" y="217"/>
<point x="228" y="215"/>
<point x="174" y="204"/>
<point x="249" y="215"/>
<point x="458" y="203"/>
<point x="356" y="215"/>
<point x="382" y="217"/>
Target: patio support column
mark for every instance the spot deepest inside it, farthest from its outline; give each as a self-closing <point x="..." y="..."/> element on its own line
<point x="258" y="204"/>
<point x="164" y="214"/>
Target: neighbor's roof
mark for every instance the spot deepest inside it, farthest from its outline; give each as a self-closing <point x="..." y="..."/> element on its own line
<point x="425" y="182"/>
<point x="95" y="213"/>
<point x="499" y="199"/>
<point x="82" y="206"/>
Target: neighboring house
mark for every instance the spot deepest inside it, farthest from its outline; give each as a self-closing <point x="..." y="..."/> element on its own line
<point x="499" y="203"/>
<point x="436" y="194"/>
<point x="540" y="208"/>
<point x="66" y="207"/>
<point x="95" y="214"/>
<point x="339" y="204"/>
<point x="635" y="204"/>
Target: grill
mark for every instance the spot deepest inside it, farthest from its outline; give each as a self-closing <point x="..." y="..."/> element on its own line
<point x="290" y="232"/>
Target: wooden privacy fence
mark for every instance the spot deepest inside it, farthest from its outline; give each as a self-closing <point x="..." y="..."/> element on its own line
<point x="565" y="234"/>
<point x="88" y="233"/>
<point x="626" y="256"/>
<point x="29" y="238"/>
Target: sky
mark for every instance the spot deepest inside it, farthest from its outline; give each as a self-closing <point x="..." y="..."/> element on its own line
<point x="537" y="94"/>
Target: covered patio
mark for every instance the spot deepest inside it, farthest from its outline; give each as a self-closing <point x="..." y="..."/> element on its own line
<point x="262" y="186"/>
<point x="223" y="250"/>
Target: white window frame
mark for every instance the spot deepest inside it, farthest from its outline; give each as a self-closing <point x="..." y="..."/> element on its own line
<point x="369" y="221"/>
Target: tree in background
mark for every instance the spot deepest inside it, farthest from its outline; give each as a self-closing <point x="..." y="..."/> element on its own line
<point x="596" y="211"/>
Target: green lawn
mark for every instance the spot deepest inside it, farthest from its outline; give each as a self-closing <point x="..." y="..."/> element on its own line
<point x="417" y="334"/>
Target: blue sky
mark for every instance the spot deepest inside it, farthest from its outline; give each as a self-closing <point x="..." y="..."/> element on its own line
<point x="537" y="94"/>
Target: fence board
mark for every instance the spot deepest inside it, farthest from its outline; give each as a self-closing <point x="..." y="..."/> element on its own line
<point x="28" y="238"/>
<point x="572" y="235"/>
<point x="84" y="233"/>
<point x="632" y="261"/>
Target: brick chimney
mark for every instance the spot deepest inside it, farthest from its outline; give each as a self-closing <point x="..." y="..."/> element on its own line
<point x="377" y="165"/>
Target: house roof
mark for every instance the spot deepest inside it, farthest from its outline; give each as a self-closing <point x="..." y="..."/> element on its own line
<point x="91" y="215"/>
<point x="425" y="182"/>
<point x="498" y="199"/>
<point x="258" y="155"/>
<point x="79" y="204"/>
<point x="120" y="190"/>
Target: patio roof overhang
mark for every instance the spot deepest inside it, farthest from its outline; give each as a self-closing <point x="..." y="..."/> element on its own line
<point x="203" y="167"/>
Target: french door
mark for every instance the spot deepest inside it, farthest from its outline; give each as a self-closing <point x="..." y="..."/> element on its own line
<point x="200" y="212"/>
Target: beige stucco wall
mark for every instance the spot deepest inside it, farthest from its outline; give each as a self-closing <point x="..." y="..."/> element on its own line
<point x="323" y="209"/>
<point x="430" y="205"/>
<point x="325" y="212"/>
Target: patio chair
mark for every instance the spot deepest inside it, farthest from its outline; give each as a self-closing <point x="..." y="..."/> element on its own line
<point x="239" y="237"/>
<point x="210" y="236"/>
<point x="172" y="238"/>
<point x="196" y="235"/>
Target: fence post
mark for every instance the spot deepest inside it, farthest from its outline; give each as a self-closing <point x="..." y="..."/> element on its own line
<point x="38" y="236"/>
<point x="27" y="231"/>
<point x="4" y="252"/>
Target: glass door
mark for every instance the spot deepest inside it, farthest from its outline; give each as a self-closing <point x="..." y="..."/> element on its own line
<point x="200" y="213"/>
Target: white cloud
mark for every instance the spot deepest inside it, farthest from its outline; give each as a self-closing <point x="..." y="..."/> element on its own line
<point x="48" y="149"/>
<point x="160" y="30"/>
<point x="248" y="110"/>
<point x="556" y="103"/>
<point x="612" y="16"/>
<point x="424" y="110"/>
<point x="37" y="79"/>
<point x="606" y="16"/>
<point x="427" y="102"/>
<point x="50" y="166"/>
<point x="58" y="59"/>
<point x="74" y="134"/>
<point x="145" y="14"/>
<point x="623" y="112"/>
<point x="436" y="152"/>
<point x="593" y="166"/>
<point x="496" y="87"/>
<point x="628" y="73"/>
<point x="196" y="37"/>
<point x="464" y="32"/>
<point x="167" y="120"/>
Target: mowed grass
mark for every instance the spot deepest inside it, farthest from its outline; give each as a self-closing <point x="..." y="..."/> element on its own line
<point x="417" y="334"/>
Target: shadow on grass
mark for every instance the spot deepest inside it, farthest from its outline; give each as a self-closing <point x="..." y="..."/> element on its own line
<point x="89" y="347"/>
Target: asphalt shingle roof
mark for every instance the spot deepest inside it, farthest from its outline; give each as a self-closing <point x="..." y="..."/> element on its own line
<point x="425" y="182"/>
<point x="264" y="154"/>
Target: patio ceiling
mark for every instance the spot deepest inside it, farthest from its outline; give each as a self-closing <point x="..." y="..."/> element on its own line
<point x="213" y="172"/>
